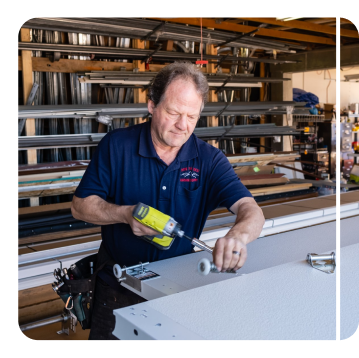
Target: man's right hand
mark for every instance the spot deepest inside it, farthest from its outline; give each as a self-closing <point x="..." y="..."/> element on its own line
<point x="137" y="228"/>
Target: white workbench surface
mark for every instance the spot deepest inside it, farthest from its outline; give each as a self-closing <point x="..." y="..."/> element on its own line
<point x="278" y="298"/>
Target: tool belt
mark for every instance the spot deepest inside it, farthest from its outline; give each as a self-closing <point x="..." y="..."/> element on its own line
<point x="77" y="290"/>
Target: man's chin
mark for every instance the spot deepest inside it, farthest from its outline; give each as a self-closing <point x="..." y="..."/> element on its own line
<point x="176" y="142"/>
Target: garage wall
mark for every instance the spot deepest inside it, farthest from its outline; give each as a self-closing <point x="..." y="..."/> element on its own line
<point x="317" y="82"/>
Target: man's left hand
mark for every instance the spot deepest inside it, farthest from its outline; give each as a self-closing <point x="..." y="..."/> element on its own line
<point x="230" y="252"/>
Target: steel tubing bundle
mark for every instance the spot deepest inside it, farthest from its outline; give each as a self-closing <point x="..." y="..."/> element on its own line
<point x="144" y="78"/>
<point x="140" y="109"/>
<point x="253" y="131"/>
<point x="144" y="28"/>
<point x="131" y="53"/>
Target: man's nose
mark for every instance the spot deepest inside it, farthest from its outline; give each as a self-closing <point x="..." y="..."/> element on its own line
<point x="181" y="123"/>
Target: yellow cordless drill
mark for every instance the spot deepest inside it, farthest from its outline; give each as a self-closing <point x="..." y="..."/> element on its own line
<point x="168" y="227"/>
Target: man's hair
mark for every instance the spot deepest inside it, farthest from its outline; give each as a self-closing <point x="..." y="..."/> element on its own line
<point x="178" y="70"/>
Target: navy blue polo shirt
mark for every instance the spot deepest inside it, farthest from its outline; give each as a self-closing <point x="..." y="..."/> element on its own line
<point x="126" y="169"/>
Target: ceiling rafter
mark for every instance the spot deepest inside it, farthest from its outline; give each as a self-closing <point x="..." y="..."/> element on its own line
<point x="342" y="20"/>
<point x="211" y="23"/>
<point x="303" y="25"/>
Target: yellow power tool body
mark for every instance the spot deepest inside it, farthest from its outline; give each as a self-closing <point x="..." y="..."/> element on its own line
<point x="165" y="225"/>
<point x="158" y="221"/>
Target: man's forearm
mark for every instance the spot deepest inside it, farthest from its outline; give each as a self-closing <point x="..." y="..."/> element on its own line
<point x="249" y="222"/>
<point x="95" y="210"/>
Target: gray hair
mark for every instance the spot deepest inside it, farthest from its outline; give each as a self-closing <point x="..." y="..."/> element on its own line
<point x="176" y="70"/>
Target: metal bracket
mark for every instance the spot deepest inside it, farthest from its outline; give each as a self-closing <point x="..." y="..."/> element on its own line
<point x="224" y="83"/>
<point x="221" y="60"/>
<point x="325" y="263"/>
<point x="69" y="322"/>
<point x="55" y="56"/>
<point x="228" y="130"/>
<point x="237" y="38"/>
<point x="134" y="275"/>
<point x="156" y="29"/>
<point x="148" y="58"/>
<point x="29" y="101"/>
<point x="223" y="109"/>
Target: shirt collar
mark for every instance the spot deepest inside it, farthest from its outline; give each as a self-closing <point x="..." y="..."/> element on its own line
<point x="146" y="149"/>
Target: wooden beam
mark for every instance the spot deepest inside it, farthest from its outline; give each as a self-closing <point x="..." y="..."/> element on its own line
<point x="27" y="83"/>
<point x="43" y="64"/>
<point x="139" y="95"/>
<point x="212" y="96"/>
<point x="303" y="25"/>
<point x="26" y="63"/>
<point x="59" y="235"/>
<point x="244" y="28"/>
<point x="342" y="20"/>
<point x="262" y="141"/>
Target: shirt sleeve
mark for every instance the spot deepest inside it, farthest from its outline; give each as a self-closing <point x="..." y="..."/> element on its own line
<point x="225" y="186"/>
<point x="97" y="178"/>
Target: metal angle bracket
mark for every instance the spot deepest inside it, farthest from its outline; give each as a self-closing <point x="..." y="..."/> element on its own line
<point x="325" y="263"/>
<point x="69" y="322"/>
<point x="155" y="30"/>
<point x="148" y="58"/>
<point x="134" y="276"/>
<point x="224" y="83"/>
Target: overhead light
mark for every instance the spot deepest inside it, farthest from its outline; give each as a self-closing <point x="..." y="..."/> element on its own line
<point x="287" y="18"/>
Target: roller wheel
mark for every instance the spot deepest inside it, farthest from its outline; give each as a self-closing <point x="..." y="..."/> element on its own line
<point x="117" y="271"/>
<point x="204" y="267"/>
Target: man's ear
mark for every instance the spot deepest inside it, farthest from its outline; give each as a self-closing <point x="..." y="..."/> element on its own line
<point x="150" y="106"/>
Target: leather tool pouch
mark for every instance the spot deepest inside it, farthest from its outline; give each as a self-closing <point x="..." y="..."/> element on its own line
<point x="78" y="294"/>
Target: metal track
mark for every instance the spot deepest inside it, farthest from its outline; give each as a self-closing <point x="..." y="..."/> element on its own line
<point x="144" y="79"/>
<point x="241" y="131"/>
<point x="130" y="53"/>
<point x="141" y="28"/>
<point x="133" y="110"/>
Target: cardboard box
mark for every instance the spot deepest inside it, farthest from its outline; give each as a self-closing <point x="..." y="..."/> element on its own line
<point x="329" y="108"/>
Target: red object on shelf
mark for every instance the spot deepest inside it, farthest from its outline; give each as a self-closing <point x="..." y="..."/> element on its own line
<point x="203" y="62"/>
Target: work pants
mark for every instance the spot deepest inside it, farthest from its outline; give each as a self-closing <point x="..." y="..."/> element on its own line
<point x="108" y="299"/>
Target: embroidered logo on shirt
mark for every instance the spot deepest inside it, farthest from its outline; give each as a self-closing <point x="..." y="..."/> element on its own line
<point x="189" y="174"/>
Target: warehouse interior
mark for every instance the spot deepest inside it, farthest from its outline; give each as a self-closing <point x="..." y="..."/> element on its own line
<point x="272" y="110"/>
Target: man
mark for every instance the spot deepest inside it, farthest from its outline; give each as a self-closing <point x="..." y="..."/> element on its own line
<point x="161" y="164"/>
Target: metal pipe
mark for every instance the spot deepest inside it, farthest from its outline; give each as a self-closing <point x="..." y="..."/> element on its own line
<point x="41" y="323"/>
<point x="139" y="28"/>
<point x="131" y="53"/>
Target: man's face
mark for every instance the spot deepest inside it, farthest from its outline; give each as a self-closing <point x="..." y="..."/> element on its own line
<point x="175" y="117"/>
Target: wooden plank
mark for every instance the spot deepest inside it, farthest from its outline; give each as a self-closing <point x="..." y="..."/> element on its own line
<point x="262" y="141"/>
<point x="42" y="64"/>
<point x="303" y="25"/>
<point x="249" y="170"/>
<point x="168" y="45"/>
<point x="49" y="332"/>
<point x="264" y="182"/>
<point x="40" y="311"/>
<point x="278" y="189"/>
<point x="26" y="63"/>
<point x="44" y="208"/>
<point x="244" y="28"/>
<point x="139" y="95"/>
<point x="342" y="20"/>
<point x="64" y="242"/>
<point x="289" y="199"/>
<point x="212" y="96"/>
<point x="27" y="82"/>
<point x="59" y="235"/>
<point x="48" y="192"/>
<point x="36" y="295"/>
